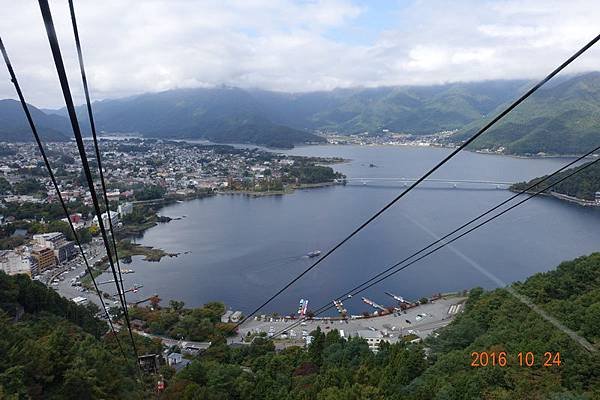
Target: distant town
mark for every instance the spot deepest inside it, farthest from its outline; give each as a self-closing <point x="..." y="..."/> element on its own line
<point x="140" y="174"/>
<point x="385" y="137"/>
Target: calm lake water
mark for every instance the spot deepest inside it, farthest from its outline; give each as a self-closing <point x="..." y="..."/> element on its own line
<point x="242" y="249"/>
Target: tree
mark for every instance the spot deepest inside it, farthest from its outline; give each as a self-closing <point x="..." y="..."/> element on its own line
<point x="176" y="305"/>
<point x="155" y="301"/>
<point x="5" y="187"/>
<point x="28" y="186"/>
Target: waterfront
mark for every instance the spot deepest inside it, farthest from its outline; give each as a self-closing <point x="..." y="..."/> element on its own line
<point x="243" y="249"/>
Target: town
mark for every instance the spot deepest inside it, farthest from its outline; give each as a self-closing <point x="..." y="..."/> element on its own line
<point x="35" y="235"/>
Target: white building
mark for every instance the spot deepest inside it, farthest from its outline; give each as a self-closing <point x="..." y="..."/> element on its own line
<point x="51" y="239"/>
<point x="114" y="216"/>
<point x="236" y="316"/>
<point x="231" y="316"/>
<point x="226" y="317"/>
<point x="174" y="358"/>
<point x="125" y="209"/>
<point x="14" y="263"/>
<point x="374" y="338"/>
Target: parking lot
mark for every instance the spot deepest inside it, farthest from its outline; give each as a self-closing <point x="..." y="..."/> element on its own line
<point x="64" y="277"/>
<point x="420" y="321"/>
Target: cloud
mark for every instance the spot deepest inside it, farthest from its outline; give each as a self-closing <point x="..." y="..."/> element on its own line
<point x="132" y="47"/>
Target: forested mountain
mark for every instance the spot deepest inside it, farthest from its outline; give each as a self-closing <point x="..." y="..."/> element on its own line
<point x="559" y="119"/>
<point x="15" y="128"/>
<point x="333" y="368"/>
<point x="225" y="115"/>
<point x="55" y="352"/>
<point x="563" y="118"/>
<point x="407" y="109"/>
<point x="231" y="115"/>
<point x="583" y="184"/>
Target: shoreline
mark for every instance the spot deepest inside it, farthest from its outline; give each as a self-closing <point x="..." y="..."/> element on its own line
<point x="565" y="198"/>
<point x="445" y="146"/>
<point x="287" y="190"/>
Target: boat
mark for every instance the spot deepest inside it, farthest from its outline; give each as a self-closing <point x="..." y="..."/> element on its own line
<point x="302" y="307"/>
<point x="313" y="254"/>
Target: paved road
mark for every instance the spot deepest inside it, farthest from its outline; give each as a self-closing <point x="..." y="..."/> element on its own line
<point x="73" y="269"/>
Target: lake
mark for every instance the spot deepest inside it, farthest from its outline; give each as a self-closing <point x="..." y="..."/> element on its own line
<point x="243" y="249"/>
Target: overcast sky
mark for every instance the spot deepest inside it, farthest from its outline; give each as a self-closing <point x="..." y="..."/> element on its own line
<point x="132" y="47"/>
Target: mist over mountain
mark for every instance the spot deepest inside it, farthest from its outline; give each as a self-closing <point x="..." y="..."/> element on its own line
<point x="559" y="119"/>
<point x="216" y="113"/>
<point x="407" y="109"/>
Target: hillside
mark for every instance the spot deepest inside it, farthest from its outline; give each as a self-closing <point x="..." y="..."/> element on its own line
<point x="57" y="351"/>
<point x="224" y="115"/>
<point x="582" y="185"/>
<point x="334" y="368"/>
<point x="230" y="115"/>
<point x="408" y="109"/>
<point x="14" y="126"/>
<point x="560" y="119"/>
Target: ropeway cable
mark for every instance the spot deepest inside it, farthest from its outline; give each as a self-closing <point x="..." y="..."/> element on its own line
<point x="15" y="82"/>
<point x="373" y="281"/>
<point x="94" y="136"/>
<point x="480" y="216"/>
<point x="430" y="172"/>
<point x="62" y="76"/>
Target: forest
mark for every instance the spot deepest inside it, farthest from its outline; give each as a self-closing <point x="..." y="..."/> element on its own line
<point x="584" y="184"/>
<point x="57" y="350"/>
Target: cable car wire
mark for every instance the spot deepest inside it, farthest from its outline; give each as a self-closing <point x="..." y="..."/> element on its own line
<point x="94" y="137"/>
<point x="62" y="76"/>
<point x="373" y="281"/>
<point x="501" y="115"/>
<point x="15" y="82"/>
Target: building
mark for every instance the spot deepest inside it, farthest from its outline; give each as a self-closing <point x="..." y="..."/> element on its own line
<point x="114" y="217"/>
<point x="13" y="263"/>
<point x="44" y="257"/>
<point x="50" y="239"/>
<point x="236" y="316"/>
<point x="374" y="338"/>
<point x="64" y="251"/>
<point x="56" y="241"/>
<point x="226" y="317"/>
<point x="125" y="209"/>
<point x="174" y="358"/>
<point x="138" y="324"/>
<point x="231" y="316"/>
<point x="114" y="195"/>
<point x="177" y="361"/>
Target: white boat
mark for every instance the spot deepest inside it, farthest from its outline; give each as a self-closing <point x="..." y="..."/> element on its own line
<point x="313" y="254"/>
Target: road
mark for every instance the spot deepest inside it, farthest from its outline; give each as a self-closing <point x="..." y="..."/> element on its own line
<point x="72" y="269"/>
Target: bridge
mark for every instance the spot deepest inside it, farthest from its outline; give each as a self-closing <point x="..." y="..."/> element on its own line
<point x="406" y="181"/>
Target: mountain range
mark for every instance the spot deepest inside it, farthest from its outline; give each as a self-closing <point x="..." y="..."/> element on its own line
<point x="559" y="119"/>
<point x="15" y="128"/>
<point x="563" y="118"/>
